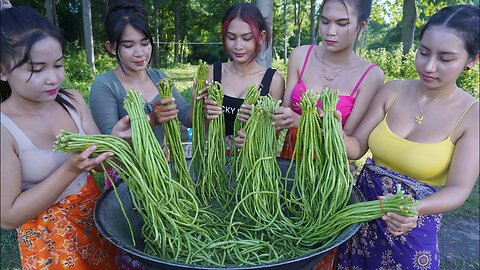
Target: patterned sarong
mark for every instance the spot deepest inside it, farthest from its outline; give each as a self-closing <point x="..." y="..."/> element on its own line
<point x="373" y="247"/>
<point x="65" y="237"/>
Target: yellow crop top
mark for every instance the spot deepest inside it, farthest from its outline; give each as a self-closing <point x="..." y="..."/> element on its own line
<point x="426" y="162"/>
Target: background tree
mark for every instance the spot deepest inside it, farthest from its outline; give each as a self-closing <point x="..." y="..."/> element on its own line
<point x="87" y="32"/>
<point x="266" y="7"/>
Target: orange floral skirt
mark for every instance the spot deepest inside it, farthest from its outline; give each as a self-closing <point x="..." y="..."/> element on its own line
<point x="65" y="237"/>
<point x="328" y="261"/>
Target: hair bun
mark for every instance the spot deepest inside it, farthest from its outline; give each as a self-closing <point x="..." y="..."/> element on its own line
<point x="126" y="4"/>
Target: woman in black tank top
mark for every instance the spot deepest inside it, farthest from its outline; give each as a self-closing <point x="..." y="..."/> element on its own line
<point x="244" y="29"/>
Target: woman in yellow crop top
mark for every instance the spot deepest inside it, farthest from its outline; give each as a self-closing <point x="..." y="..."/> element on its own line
<point x="423" y="134"/>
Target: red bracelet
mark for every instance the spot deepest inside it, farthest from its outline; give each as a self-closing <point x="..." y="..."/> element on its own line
<point x="381" y="206"/>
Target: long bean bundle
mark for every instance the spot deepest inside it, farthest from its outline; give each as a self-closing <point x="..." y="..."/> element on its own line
<point x="305" y="195"/>
<point x="253" y="94"/>
<point x="213" y="183"/>
<point x="172" y="134"/>
<point x="250" y="99"/>
<point x="258" y="175"/>
<point x="360" y="212"/>
<point x="174" y="211"/>
<point x="198" y="124"/>
<point x="337" y="180"/>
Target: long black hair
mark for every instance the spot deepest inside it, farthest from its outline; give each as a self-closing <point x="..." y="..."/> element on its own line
<point x="22" y="27"/>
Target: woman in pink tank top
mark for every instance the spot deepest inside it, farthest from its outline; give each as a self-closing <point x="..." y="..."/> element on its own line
<point x="332" y="64"/>
<point x="335" y="65"/>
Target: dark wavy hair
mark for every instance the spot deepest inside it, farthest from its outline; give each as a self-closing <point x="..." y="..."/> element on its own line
<point x="250" y="14"/>
<point x="464" y="20"/>
<point x="122" y="13"/>
<point x="21" y="28"/>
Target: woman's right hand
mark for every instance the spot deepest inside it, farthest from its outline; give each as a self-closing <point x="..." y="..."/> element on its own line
<point x="85" y="162"/>
<point x="284" y="118"/>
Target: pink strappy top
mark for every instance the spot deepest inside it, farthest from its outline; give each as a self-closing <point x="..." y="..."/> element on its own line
<point x="345" y="103"/>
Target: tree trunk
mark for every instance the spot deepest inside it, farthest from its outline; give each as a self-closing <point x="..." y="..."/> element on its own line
<point x="408" y="20"/>
<point x="87" y="32"/>
<point x="297" y="21"/>
<point x="51" y="11"/>
<point x="156" y="36"/>
<point x="266" y="7"/>
<point x="285" y="53"/>
<point x="176" y="16"/>
<point x="313" y="33"/>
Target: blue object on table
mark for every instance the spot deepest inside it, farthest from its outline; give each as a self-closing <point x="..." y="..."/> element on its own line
<point x="189" y="134"/>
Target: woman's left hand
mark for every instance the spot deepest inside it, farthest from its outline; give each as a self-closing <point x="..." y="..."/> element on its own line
<point x="398" y="224"/>
<point x="244" y="112"/>
<point x="240" y="139"/>
<point x="122" y="128"/>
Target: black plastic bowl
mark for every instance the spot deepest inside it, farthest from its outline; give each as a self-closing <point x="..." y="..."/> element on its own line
<point x="111" y="223"/>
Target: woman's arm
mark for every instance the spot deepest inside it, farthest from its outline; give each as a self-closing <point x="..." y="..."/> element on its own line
<point x="18" y="207"/>
<point x="103" y="105"/>
<point x="284" y="116"/>
<point x="372" y="82"/>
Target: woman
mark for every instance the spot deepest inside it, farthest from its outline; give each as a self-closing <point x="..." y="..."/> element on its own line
<point x="47" y="196"/>
<point x="130" y="40"/>
<point x="244" y="32"/>
<point x="333" y="64"/>
<point x="423" y="135"/>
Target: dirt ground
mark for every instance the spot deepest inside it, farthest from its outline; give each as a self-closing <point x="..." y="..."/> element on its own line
<point x="459" y="242"/>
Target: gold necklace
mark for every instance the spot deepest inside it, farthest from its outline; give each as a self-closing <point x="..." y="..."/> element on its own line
<point x="421" y="114"/>
<point x="338" y="72"/>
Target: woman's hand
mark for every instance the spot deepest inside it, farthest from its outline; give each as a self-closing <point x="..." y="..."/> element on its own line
<point x="202" y="93"/>
<point x="163" y="111"/>
<point x="211" y="109"/>
<point x="122" y="128"/>
<point x="284" y="118"/>
<point x="240" y="139"/>
<point x="84" y="162"/>
<point x="244" y="112"/>
<point x="398" y="224"/>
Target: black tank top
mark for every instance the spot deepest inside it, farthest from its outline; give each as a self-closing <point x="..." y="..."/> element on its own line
<point x="230" y="104"/>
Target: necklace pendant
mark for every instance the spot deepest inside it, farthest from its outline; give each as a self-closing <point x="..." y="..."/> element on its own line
<point x="329" y="79"/>
<point x="419" y="118"/>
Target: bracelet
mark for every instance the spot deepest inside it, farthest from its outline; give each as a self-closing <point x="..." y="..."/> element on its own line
<point x="381" y="206"/>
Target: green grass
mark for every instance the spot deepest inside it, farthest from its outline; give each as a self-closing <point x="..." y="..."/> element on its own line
<point x="10" y="258"/>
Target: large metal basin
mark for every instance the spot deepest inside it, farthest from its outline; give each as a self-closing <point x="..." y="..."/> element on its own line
<point x="113" y="226"/>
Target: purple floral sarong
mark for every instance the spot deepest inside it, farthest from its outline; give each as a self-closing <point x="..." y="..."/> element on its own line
<point x="373" y="247"/>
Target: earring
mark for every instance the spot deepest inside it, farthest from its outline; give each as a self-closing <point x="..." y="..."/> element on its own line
<point x="3" y="77"/>
<point x="466" y="68"/>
